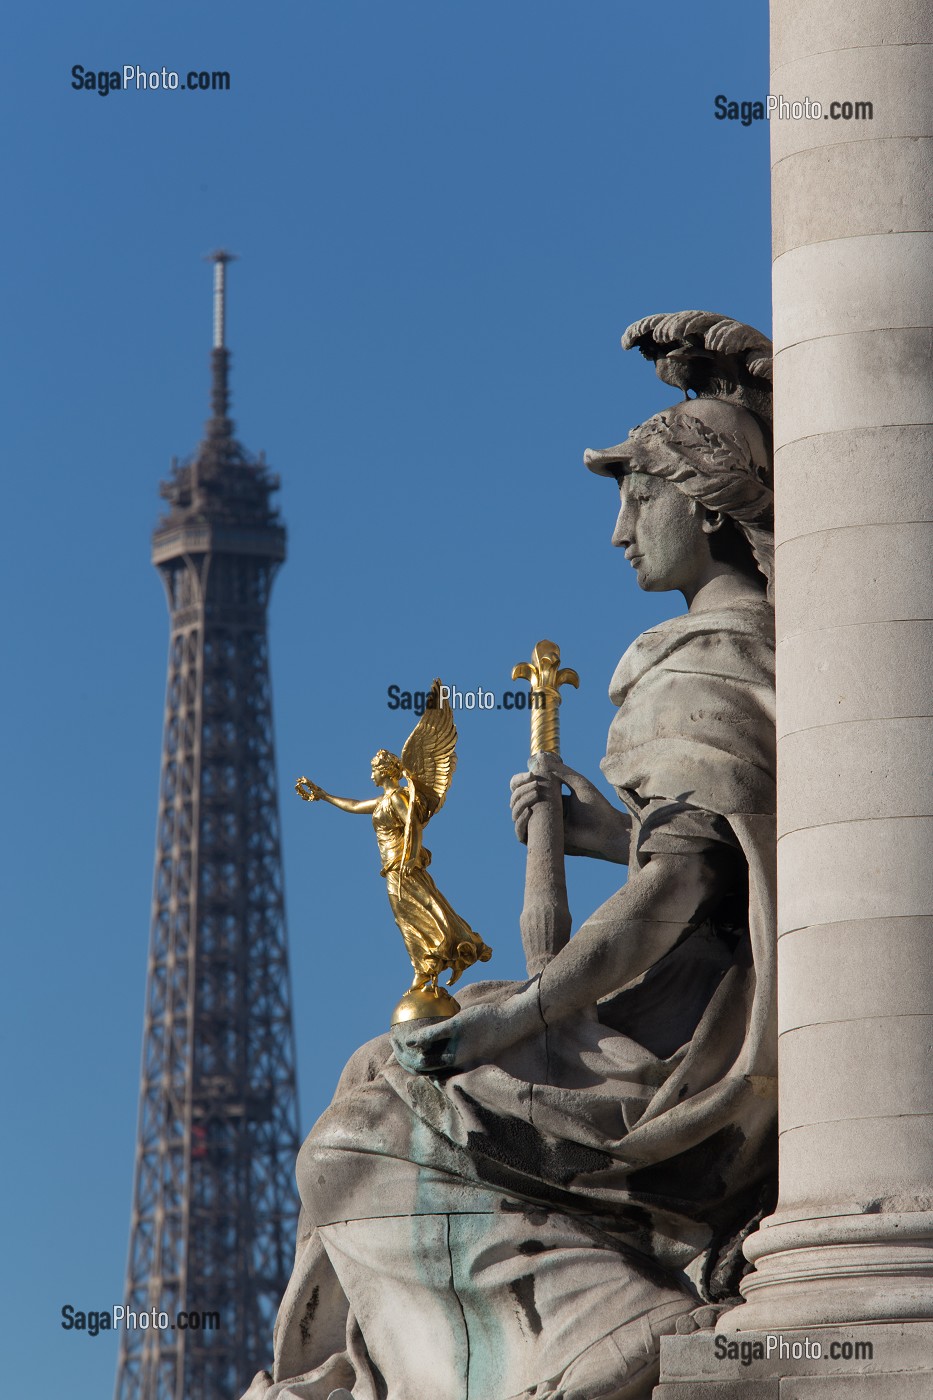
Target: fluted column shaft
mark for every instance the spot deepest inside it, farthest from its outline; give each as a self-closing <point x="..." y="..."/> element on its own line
<point x="852" y="1236"/>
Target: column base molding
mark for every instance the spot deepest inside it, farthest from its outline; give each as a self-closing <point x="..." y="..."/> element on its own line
<point x="837" y="1269"/>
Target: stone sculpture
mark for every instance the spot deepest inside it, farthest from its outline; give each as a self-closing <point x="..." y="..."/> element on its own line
<point x="518" y="1202"/>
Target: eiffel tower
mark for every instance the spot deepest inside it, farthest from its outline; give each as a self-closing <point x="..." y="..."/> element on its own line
<point x="214" y="1203"/>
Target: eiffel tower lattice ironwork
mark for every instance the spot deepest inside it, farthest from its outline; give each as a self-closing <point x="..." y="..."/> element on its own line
<point x="214" y="1204"/>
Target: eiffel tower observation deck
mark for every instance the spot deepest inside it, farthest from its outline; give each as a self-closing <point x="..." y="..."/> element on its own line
<point x="214" y="1203"/>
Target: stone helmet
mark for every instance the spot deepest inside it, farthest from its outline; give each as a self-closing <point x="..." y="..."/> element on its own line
<point x="716" y="447"/>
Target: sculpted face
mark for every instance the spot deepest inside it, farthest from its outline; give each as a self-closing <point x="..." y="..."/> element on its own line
<point x="383" y="772"/>
<point x="665" y="535"/>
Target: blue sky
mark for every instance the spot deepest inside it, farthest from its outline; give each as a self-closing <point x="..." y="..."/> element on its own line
<point x="446" y="214"/>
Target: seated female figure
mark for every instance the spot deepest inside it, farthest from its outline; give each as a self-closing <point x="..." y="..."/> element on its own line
<point x="519" y="1201"/>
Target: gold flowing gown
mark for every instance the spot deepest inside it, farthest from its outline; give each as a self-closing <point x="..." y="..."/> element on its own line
<point x="434" y="933"/>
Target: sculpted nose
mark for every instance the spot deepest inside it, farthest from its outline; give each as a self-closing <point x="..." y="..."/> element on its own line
<point x="622" y="534"/>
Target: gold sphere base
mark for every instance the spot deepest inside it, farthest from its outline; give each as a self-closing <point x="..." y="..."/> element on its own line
<point x="423" y="1003"/>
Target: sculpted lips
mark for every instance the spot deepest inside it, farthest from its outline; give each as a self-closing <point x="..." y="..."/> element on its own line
<point x="632" y="557"/>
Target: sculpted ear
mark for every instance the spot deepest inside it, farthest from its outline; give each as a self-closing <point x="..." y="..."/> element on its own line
<point x="713" y="520"/>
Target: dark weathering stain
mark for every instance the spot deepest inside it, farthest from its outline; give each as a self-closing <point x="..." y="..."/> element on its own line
<point x="518" y="1145"/>
<point x="307" y="1316"/>
<point x="531" y="1247"/>
<point x="634" y="1218"/>
<point x="523" y="1291"/>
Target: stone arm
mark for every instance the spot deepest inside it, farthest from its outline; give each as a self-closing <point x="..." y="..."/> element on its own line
<point x="628" y="934"/>
<point x="592" y="825"/>
<point x="635" y="928"/>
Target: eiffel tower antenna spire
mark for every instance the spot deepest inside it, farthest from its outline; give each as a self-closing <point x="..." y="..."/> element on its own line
<point x="220" y="355"/>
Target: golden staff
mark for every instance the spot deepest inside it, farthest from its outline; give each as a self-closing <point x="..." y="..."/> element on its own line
<point x="546" y="679"/>
<point x="545" y="919"/>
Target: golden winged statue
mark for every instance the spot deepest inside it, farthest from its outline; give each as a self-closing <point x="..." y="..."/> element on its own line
<point x="435" y="936"/>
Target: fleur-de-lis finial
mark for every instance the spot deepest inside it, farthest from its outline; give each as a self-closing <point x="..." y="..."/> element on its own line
<point x="544" y="673"/>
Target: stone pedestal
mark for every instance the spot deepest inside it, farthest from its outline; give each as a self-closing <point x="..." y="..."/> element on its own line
<point x="851" y="1240"/>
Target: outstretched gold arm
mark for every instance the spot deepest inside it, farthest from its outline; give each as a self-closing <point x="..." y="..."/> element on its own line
<point x="311" y="792"/>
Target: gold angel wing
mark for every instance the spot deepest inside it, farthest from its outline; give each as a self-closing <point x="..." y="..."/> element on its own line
<point x="429" y="754"/>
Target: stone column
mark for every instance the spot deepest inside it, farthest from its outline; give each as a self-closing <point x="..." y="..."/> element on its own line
<point x="851" y="1239"/>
